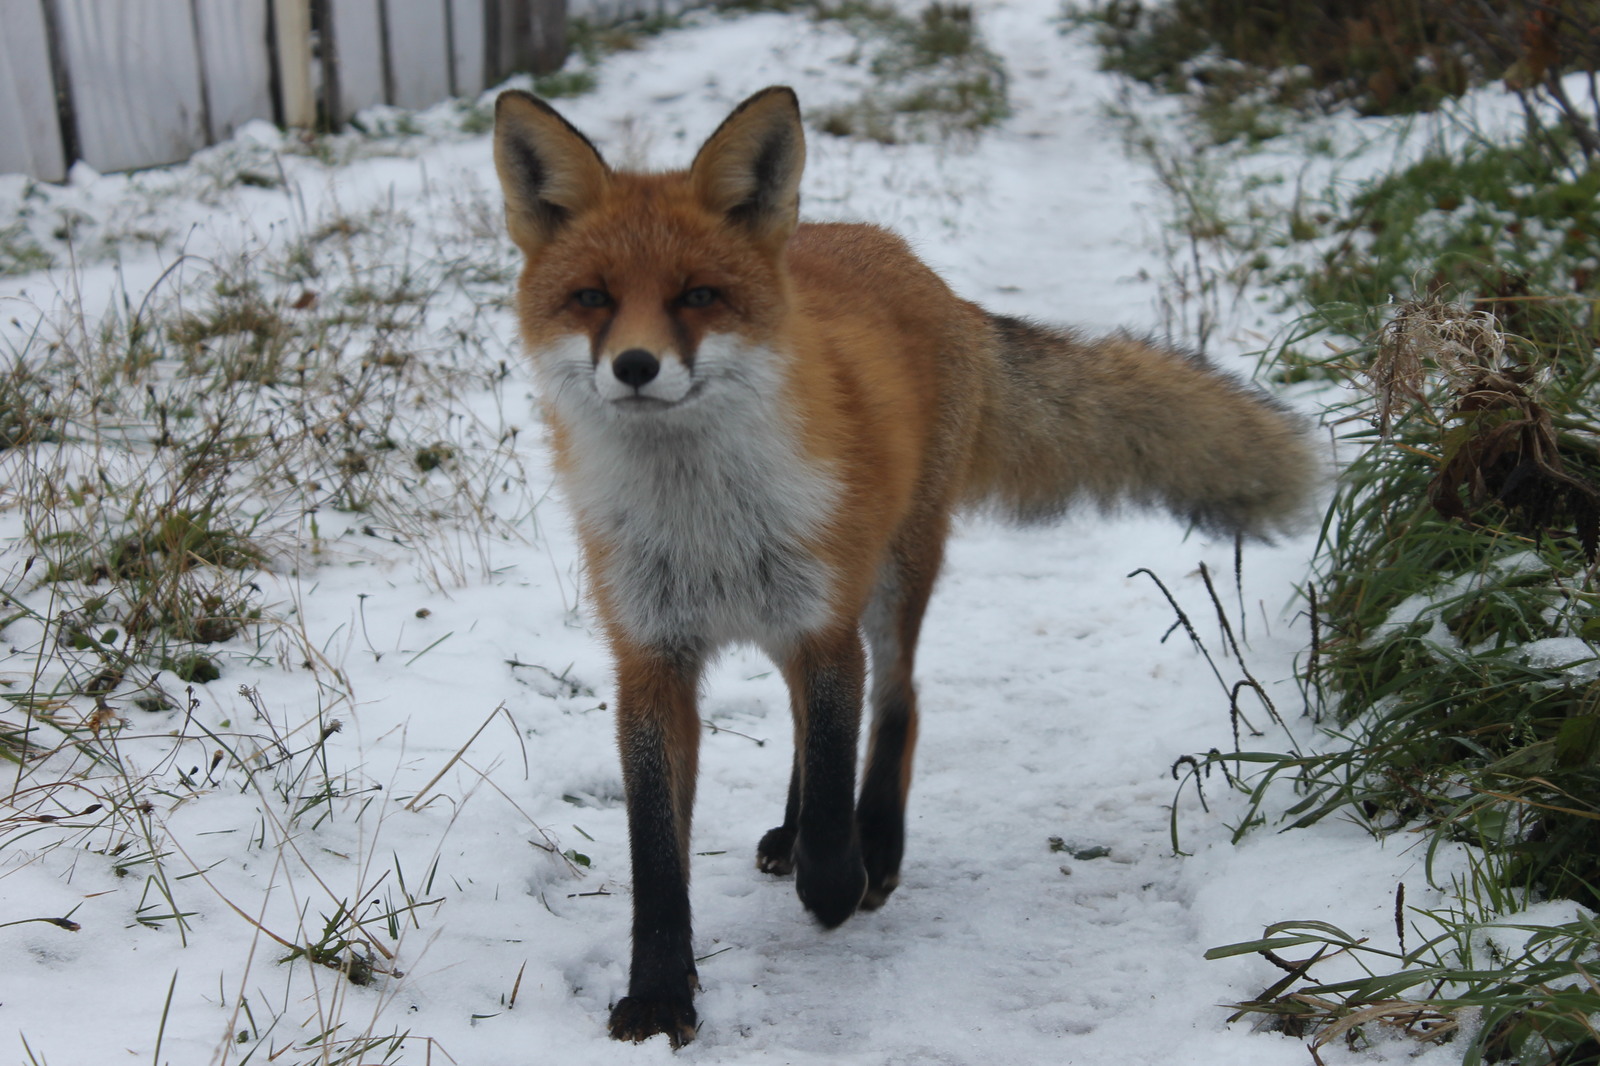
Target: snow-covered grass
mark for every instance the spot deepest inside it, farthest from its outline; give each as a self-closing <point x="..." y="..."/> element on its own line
<point x="276" y="390"/>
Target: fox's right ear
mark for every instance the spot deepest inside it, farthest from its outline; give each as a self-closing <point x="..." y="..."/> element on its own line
<point x="549" y="171"/>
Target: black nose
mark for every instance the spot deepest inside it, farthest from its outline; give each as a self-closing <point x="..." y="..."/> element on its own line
<point x="635" y="367"/>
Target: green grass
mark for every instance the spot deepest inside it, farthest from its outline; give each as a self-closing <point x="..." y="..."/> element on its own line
<point x="1456" y="606"/>
<point x="1388" y="56"/>
<point x="933" y="76"/>
<point x="20" y="252"/>
<point x="593" y="42"/>
<point x="1455" y="616"/>
<point x="1457" y="541"/>
<point x="1512" y="227"/>
<point x="1454" y="588"/>
<point x="1242" y="63"/>
<point x="1497" y="991"/>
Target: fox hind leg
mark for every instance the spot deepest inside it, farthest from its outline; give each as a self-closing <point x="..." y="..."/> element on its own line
<point x="893" y="623"/>
<point x="826" y="675"/>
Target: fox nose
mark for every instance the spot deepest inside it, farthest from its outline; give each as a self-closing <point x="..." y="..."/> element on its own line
<point x="635" y="367"/>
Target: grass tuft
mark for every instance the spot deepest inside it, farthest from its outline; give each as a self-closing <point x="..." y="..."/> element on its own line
<point x="20" y="251"/>
<point x="934" y="78"/>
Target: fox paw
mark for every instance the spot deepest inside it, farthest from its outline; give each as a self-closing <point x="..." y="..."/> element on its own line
<point x="831" y="889"/>
<point x="878" y="892"/>
<point x="635" y="1018"/>
<point x="882" y="843"/>
<point x="775" y="853"/>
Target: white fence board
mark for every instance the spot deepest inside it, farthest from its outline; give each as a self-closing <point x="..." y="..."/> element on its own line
<point x="135" y="80"/>
<point x="419" y="56"/>
<point x="467" y="47"/>
<point x="357" y="54"/>
<point x="30" y="130"/>
<point x="236" y="62"/>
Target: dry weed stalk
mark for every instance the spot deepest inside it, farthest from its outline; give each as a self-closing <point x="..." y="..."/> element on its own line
<point x="1496" y="442"/>
<point x="1427" y="335"/>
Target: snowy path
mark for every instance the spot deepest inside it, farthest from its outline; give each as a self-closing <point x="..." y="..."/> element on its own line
<point x="1052" y="708"/>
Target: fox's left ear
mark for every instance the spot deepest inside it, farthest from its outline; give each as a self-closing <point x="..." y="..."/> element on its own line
<point x="749" y="170"/>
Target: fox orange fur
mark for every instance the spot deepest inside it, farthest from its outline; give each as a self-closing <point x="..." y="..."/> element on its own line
<point x="764" y="429"/>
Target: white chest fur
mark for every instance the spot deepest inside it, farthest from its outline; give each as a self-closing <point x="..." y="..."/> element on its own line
<point x="706" y="506"/>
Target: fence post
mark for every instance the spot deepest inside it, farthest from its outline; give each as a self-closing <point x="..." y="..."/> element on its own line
<point x="524" y="35"/>
<point x="548" y="44"/>
<point x="291" y="25"/>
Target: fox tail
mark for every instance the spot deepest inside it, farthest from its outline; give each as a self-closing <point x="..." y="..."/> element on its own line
<point x="1121" y="420"/>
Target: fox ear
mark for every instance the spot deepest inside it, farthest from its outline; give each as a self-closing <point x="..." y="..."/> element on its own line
<point x="749" y="170"/>
<point x="549" y="172"/>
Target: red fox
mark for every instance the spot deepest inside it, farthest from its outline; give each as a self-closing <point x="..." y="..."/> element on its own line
<point x="763" y="430"/>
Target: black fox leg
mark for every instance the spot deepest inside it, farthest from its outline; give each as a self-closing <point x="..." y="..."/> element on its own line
<point x="658" y="733"/>
<point x="827" y="675"/>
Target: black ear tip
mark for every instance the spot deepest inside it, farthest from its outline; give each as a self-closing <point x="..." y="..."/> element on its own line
<point x="771" y="94"/>
<point x="784" y="91"/>
<point x="519" y="98"/>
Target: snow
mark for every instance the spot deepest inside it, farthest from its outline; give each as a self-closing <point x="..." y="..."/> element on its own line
<point x="1052" y="705"/>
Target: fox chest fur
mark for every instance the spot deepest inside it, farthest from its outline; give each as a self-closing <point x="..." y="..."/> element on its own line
<point x="702" y="518"/>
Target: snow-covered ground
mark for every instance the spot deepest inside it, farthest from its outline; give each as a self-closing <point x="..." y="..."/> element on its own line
<point x="1052" y="706"/>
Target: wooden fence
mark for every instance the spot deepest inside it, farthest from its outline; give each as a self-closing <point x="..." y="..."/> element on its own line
<point x="122" y="84"/>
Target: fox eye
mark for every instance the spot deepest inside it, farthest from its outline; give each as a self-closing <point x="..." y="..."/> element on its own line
<point x="592" y="298"/>
<point x="699" y="296"/>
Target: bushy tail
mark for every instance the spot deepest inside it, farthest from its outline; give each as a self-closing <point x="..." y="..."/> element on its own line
<point x="1118" y="419"/>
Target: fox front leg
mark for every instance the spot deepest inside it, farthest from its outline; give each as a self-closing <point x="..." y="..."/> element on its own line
<point x="658" y="734"/>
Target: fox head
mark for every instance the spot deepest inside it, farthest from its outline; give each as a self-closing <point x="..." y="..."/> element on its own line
<point x="643" y="291"/>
